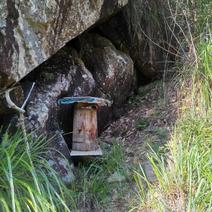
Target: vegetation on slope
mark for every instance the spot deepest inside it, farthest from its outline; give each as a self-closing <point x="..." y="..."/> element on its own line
<point x="98" y="179"/>
<point x="184" y="175"/>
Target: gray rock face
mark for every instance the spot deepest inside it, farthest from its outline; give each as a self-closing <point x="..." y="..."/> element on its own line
<point x="32" y="31"/>
<point x="112" y="69"/>
<point x="59" y="158"/>
<point x="62" y="75"/>
<point x="140" y="31"/>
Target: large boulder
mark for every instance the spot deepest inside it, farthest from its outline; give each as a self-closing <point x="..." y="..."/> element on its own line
<point x="140" y="30"/>
<point x="63" y="75"/>
<point x="112" y="69"/>
<point x="32" y="31"/>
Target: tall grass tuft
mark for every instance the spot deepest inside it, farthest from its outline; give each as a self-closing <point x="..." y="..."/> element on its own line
<point x="27" y="182"/>
<point x="202" y="76"/>
<point x="185" y="178"/>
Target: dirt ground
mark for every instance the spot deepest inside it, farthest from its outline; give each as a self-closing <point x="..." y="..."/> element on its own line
<point x="148" y="121"/>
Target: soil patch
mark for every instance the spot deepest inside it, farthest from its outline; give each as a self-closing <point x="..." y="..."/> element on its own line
<point x="148" y="123"/>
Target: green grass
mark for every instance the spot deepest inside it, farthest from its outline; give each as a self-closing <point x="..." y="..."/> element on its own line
<point x="161" y="133"/>
<point x="27" y="182"/>
<point x="202" y="76"/>
<point x="93" y="187"/>
<point x="184" y="174"/>
<point x="185" y="179"/>
<point x="142" y="123"/>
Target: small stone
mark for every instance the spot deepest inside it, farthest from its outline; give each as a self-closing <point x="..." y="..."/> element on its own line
<point x="116" y="177"/>
<point x="149" y="171"/>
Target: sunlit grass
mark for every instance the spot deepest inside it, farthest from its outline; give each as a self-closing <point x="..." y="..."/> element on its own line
<point x="202" y="77"/>
<point x="184" y="174"/>
<point x="185" y="178"/>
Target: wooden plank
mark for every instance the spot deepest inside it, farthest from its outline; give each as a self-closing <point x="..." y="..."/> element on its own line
<point x="84" y="128"/>
<point x="84" y="99"/>
<point x="97" y="152"/>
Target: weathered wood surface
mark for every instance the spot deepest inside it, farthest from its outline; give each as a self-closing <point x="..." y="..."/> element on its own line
<point x="97" y="152"/>
<point x="85" y="127"/>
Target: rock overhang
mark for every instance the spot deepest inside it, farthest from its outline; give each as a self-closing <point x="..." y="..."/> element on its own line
<point x="32" y="31"/>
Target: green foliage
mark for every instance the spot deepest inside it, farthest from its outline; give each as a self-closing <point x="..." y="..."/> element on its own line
<point x="27" y="182"/>
<point x="202" y="76"/>
<point x="187" y="178"/>
<point x="161" y="132"/>
<point x="142" y="123"/>
<point x="93" y="186"/>
<point x="184" y="175"/>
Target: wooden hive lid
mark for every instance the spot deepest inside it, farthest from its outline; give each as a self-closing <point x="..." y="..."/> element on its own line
<point x="84" y="99"/>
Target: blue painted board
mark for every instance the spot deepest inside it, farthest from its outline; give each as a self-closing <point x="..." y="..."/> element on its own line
<point x="84" y="99"/>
